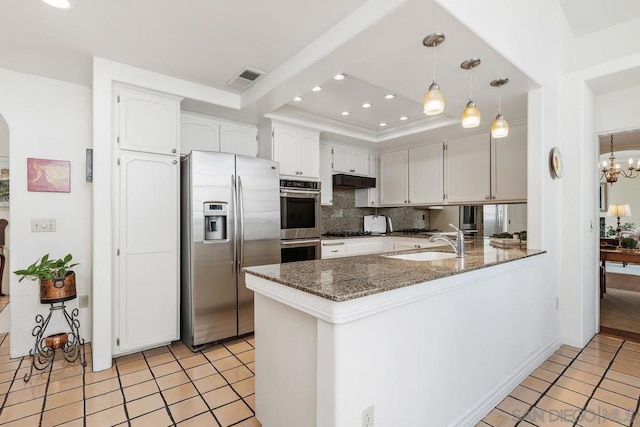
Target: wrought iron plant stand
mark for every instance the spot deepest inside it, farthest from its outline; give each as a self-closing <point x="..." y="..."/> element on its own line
<point x="44" y="350"/>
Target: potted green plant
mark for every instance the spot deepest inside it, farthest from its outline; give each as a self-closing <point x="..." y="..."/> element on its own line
<point x="57" y="280"/>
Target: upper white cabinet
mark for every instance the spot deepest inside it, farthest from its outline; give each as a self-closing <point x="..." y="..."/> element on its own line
<point x="413" y="176"/>
<point x="210" y="134"/>
<point x="394" y="178"/>
<point x="326" y="175"/>
<point x="296" y="149"/>
<point x="198" y="133"/>
<point x="351" y="161"/>
<point x="146" y="121"/>
<point x="426" y="174"/>
<point x="509" y="166"/>
<point x="368" y="197"/>
<point x="480" y="169"/>
<point x="239" y="139"/>
<point x="467" y="169"/>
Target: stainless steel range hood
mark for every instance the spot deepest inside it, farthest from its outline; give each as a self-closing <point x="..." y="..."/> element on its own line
<point x="353" y="181"/>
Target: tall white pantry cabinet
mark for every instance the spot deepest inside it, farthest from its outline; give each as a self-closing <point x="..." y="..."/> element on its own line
<point x="147" y="162"/>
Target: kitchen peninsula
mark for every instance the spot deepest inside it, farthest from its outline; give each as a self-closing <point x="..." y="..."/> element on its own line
<point x="419" y="341"/>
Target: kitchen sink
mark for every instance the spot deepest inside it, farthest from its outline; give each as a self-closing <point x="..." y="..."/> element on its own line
<point x="423" y="256"/>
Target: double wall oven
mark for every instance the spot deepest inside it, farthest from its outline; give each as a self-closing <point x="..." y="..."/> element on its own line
<point x="299" y="220"/>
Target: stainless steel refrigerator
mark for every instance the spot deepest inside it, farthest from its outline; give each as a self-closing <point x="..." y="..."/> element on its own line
<point x="230" y="219"/>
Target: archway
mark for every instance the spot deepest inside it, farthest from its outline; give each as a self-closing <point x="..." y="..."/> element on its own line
<point x="4" y="229"/>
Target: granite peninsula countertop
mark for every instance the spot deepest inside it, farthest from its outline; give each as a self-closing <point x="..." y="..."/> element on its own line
<point x="342" y="279"/>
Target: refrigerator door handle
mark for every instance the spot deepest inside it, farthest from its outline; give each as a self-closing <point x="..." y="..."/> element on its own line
<point x="240" y="215"/>
<point x="233" y="209"/>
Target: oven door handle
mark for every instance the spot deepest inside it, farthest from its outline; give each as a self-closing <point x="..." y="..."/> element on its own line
<point x="290" y="193"/>
<point x="299" y="242"/>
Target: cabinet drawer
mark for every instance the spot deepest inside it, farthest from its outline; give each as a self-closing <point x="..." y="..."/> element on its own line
<point x="333" y="249"/>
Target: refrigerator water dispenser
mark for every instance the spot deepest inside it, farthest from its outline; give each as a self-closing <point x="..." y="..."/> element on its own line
<point x="215" y="220"/>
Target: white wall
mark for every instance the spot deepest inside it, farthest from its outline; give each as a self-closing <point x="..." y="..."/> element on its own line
<point x="47" y="119"/>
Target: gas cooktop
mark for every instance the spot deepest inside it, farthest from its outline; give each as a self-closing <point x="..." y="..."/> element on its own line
<point x="347" y="233"/>
<point x="418" y="230"/>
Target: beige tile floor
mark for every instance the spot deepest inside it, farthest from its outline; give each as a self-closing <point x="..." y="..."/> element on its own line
<point x="596" y="386"/>
<point x="165" y="386"/>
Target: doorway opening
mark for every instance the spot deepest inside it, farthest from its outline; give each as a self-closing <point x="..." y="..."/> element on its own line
<point x="619" y="206"/>
<point x="4" y="229"/>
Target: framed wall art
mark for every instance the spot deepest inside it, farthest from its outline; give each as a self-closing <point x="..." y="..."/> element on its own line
<point x="48" y="175"/>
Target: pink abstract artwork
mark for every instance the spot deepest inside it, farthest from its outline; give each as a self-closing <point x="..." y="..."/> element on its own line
<point x="48" y="175"/>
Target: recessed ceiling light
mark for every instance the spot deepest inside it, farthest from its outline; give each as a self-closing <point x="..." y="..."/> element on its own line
<point x="403" y="118"/>
<point x="345" y="113"/>
<point x="297" y="98"/>
<point x="316" y="89"/>
<point x="366" y="105"/>
<point x="339" y="77"/>
<point x="383" y="124"/>
<point x="60" y="4"/>
<point x="389" y="96"/>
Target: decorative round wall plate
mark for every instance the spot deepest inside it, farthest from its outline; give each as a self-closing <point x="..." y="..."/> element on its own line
<point x="555" y="159"/>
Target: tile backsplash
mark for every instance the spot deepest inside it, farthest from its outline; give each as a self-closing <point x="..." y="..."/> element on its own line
<point x="344" y="216"/>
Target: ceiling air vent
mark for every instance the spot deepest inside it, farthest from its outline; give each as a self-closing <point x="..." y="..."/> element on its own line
<point x="245" y="78"/>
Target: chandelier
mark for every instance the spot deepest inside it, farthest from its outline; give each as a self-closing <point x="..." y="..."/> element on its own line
<point x="611" y="171"/>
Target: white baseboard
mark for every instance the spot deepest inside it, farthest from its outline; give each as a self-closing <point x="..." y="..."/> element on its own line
<point x="474" y="415"/>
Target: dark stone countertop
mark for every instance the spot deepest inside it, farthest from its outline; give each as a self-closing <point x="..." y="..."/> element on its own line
<point x="342" y="279"/>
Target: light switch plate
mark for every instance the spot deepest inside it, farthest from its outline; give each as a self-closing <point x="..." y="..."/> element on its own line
<point x="38" y="225"/>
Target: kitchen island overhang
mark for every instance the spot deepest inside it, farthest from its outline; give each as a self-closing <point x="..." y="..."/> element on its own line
<point x="436" y="351"/>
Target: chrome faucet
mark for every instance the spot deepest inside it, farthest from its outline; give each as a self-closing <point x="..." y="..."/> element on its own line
<point x="458" y="246"/>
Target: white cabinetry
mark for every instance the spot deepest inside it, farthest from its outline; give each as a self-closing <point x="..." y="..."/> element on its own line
<point x="333" y="248"/>
<point x="148" y="261"/>
<point x="146" y="121"/>
<point x="147" y="218"/>
<point x="296" y="149"/>
<point x="509" y="166"/>
<point x="467" y="169"/>
<point x="368" y="197"/>
<point x="413" y="176"/>
<point x="210" y="134"/>
<point x="406" y="243"/>
<point x="480" y="169"/>
<point x="394" y="178"/>
<point x="350" y="161"/>
<point x="326" y="175"/>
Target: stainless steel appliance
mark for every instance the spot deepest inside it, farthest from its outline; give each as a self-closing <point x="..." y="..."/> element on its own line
<point x="230" y="220"/>
<point x="300" y="250"/>
<point x="468" y="217"/>
<point x="299" y="209"/>
<point x="377" y="224"/>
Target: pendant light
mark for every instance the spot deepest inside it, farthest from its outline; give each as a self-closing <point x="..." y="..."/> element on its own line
<point x="434" y="99"/>
<point x="499" y="127"/>
<point x="471" y="113"/>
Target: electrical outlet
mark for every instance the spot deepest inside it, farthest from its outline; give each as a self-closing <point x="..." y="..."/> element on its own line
<point x="38" y="225"/>
<point x="83" y="301"/>
<point x="367" y="416"/>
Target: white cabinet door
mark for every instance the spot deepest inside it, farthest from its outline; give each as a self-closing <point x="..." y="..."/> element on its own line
<point x="426" y="174"/>
<point x="308" y="154"/>
<point x="326" y="175"/>
<point x="467" y="169"/>
<point x="351" y="161"/>
<point x="509" y="166"/>
<point x="147" y="294"/>
<point x="198" y="133"/>
<point x="368" y="197"/>
<point x="285" y="151"/>
<point x="238" y="139"/>
<point x="342" y="159"/>
<point x="147" y="122"/>
<point x="394" y="178"/>
<point x="360" y="162"/>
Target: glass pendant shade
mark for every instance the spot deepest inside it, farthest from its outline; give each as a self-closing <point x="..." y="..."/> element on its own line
<point x="470" y="115"/>
<point x="433" y="100"/>
<point x="499" y="127"/>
